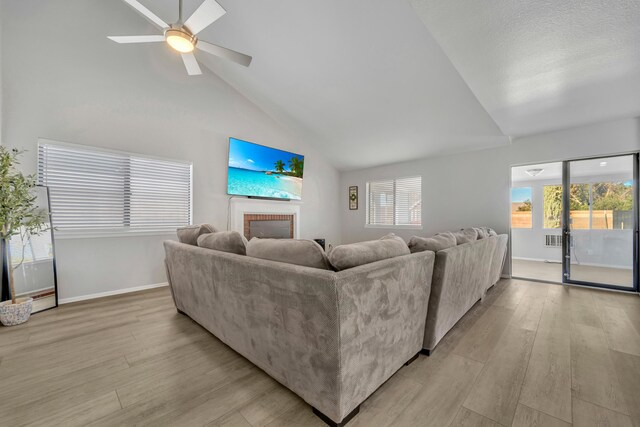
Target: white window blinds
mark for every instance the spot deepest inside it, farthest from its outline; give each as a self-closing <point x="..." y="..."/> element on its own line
<point x="395" y="202"/>
<point x="105" y="191"/>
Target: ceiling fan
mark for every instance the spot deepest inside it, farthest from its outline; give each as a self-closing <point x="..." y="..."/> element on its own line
<point x="181" y="36"/>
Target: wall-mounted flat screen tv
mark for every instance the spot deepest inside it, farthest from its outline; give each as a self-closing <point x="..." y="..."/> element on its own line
<point x="259" y="171"/>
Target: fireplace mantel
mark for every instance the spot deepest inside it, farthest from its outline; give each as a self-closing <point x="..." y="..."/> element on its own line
<point x="243" y="206"/>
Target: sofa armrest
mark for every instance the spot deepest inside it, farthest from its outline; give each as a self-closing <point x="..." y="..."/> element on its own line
<point x="382" y="314"/>
<point x="460" y="279"/>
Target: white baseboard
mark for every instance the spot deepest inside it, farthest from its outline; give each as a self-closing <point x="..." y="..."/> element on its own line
<point x="111" y="293"/>
<point x="587" y="264"/>
<point x="535" y="259"/>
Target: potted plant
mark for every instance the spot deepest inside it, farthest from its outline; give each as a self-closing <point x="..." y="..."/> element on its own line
<point x="19" y="215"/>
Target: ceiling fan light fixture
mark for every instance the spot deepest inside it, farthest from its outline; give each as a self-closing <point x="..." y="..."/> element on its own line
<point x="180" y="40"/>
<point x="533" y="172"/>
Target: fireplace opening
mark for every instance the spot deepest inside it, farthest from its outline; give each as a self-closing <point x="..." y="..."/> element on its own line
<point x="268" y="226"/>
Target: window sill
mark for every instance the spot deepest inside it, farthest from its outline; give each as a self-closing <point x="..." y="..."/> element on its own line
<point x="71" y="235"/>
<point x="394" y="227"/>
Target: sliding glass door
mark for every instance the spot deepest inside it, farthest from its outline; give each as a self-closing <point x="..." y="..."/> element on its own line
<point x="536" y="217"/>
<point x="600" y="222"/>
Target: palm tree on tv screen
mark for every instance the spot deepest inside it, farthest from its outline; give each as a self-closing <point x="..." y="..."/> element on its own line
<point x="279" y="165"/>
<point x="296" y="166"/>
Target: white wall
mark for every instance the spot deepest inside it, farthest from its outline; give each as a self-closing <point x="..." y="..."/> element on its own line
<point x="472" y="188"/>
<point x="65" y="81"/>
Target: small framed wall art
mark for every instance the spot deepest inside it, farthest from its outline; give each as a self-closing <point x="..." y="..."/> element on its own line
<point x="353" y="198"/>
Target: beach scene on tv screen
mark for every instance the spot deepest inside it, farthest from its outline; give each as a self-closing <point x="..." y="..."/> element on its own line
<point x="256" y="170"/>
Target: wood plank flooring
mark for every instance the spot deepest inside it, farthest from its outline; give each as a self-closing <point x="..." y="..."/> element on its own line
<point x="530" y="354"/>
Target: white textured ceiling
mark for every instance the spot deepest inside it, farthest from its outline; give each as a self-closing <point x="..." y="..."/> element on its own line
<point x="545" y="64"/>
<point x="621" y="166"/>
<point x="362" y="79"/>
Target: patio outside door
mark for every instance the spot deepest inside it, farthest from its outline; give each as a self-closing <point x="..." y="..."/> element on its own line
<point x="600" y="222"/>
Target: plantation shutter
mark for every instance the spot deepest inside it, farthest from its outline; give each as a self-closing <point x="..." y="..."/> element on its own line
<point x="395" y="202"/>
<point x="105" y="191"/>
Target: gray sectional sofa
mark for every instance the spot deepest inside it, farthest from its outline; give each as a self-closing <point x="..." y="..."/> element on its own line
<point x="462" y="275"/>
<point x="331" y="337"/>
<point x="498" y="259"/>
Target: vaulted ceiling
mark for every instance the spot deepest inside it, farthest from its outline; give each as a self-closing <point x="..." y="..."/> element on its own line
<point x="362" y="79"/>
<point x="545" y="64"/>
<point x="380" y="81"/>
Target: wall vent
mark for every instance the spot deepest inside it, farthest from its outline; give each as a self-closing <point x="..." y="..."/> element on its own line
<point x="553" y="240"/>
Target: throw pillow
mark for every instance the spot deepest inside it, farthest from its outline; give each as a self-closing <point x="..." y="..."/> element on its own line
<point x="465" y="236"/>
<point x="190" y="234"/>
<point x="482" y="232"/>
<point x="347" y="256"/>
<point x="436" y="243"/>
<point x="291" y="251"/>
<point x="225" y="241"/>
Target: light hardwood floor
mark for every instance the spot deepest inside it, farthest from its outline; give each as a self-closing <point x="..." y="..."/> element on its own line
<point x="552" y="272"/>
<point x="530" y="354"/>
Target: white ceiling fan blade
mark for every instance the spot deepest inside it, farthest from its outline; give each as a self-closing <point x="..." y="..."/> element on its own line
<point x="206" y="14"/>
<point x="136" y="39"/>
<point x="225" y="53"/>
<point x="191" y="64"/>
<point x="147" y="13"/>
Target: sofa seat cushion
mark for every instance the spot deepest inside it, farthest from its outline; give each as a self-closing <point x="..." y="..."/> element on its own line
<point x="436" y="243"/>
<point x="291" y="251"/>
<point x="466" y="236"/>
<point x="190" y="234"/>
<point x="348" y="256"/>
<point x="225" y="241"/>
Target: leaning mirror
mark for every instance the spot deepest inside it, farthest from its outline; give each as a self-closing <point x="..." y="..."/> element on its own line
<point x="33" y="260"/>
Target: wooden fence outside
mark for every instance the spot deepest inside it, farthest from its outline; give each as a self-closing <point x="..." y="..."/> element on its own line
<point x="601" y="220"/>
<point x="521" y="219"/>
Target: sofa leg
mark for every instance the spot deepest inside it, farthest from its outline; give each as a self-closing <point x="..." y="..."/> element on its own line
<point x="410" y="361"/>
<point x="426" y="351"/>
<point x="332" y="423"/>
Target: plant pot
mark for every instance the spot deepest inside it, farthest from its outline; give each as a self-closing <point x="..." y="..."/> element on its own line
<point x="15" y="314"/>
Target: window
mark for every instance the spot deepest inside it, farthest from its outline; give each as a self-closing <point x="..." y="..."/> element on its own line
<point x="552" y="206"/>
<point x="579" y="213"/>
<point x="94" y="190"/>
<point x="521" y="208"/>
<point x="601" y="205"/>
<point x="579" y="200"/>
<point x="395" y="202"/>
<point x="612" y="205"/>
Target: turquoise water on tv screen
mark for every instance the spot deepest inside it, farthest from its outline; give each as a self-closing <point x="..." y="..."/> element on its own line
<point x="252" y="183"/>
<point x="256" y="170"/>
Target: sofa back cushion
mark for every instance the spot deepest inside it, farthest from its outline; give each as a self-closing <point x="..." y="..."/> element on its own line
<point x="348" y="256"/>
<point x="436" y="243"/>
<point x="225" y="241"/>
<point x="466" y="236"/>
<point x="292" y="251"/>
<point x="190" y="234"/>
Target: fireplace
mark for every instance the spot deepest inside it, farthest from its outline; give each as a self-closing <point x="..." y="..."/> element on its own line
<point x="265" y="218"/>
<point x="268" y="226"/>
